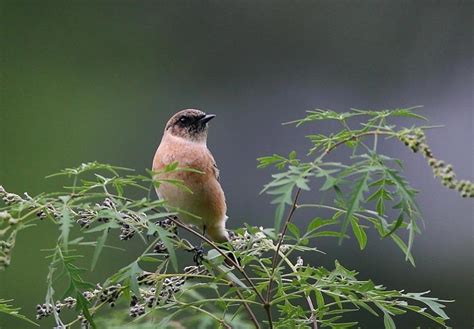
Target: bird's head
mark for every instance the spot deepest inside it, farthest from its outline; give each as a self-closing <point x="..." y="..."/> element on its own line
<point x="190" y="124"/>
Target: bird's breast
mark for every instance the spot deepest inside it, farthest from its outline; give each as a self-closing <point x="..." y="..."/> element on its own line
<point x="201" y="194"/>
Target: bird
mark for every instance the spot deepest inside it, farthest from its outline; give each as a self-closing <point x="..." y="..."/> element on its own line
<point x="202" y="203"/>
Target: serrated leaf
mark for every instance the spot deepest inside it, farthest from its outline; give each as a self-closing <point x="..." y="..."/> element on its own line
<point x="395" y="226"/>
<point x="403" y="247"/>
<point x="359" y="233"/>
<point x="408" y="113"/>
<point x="380" y="207"/>
<point x="279" y="212"/>
<point x="317" y="223"/>
<point x="294" y="230"/>
<point x="232" y="276"/>
<point x="83" y="305"/>
<point x="319" y="299"/>
<point x="98" y="249"/>
<point x="328" y="183"/>
<point x="134" y="270"/>
<point x="165" y="236"/>
<point x="6" y="308"/>
<point x="431" y="302"/>
<point x="357" y="197"/>
<point x="388" y="321"/>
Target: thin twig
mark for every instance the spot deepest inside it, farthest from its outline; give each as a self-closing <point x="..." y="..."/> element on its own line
<point x="354" y="137"/>
<point x="204" y="238"/>
<point x="275" y="255"/>
<point x="290" y="215"/>
<point x="313" y="317"/>
<point x="229" y="259"/>
<point x="249" y="310"/>
<point x="221" y="321"/>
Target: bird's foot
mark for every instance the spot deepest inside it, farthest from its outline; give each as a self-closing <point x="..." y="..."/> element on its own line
<point x="198" y="256"/>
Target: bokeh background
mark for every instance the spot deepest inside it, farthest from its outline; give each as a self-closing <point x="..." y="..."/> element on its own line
<point x="96" y="80"/>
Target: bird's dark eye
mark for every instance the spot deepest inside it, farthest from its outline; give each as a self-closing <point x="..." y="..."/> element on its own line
<point x="184" y="119"/>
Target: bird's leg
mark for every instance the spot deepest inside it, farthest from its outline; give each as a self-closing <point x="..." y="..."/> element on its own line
<point x="198" y="251"/>
<point x="198" y="256"/>
<point x="203" y="234"/>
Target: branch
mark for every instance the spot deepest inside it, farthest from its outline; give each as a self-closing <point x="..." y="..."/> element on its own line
<point x="357" y="136"/>
<point x="290" y="215"/>
<point x="252" y="316"/>
<point x="313" y="317"/>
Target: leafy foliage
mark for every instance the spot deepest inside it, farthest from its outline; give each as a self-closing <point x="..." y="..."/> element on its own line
<point x="175" y="283"/>
<point x="8" y="309"/>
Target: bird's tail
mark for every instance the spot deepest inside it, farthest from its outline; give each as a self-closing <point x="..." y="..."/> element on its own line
<point x="221" y="235"/>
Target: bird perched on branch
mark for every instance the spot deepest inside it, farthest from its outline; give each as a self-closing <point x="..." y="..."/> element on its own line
<point x="184" y="141"/>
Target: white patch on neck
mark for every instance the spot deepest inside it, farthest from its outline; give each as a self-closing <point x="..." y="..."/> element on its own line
<point x="179" y="139"/>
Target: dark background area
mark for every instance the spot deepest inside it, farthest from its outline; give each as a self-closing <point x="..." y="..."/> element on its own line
<point x="96" y="80"/>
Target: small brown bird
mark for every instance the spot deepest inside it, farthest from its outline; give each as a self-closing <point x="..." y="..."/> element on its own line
<point x="184" y="141"/>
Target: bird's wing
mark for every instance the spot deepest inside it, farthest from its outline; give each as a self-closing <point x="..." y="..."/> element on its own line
<point x="215" y="170"/>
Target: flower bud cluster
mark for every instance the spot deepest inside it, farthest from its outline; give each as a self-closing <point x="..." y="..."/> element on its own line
<point x="299" y="262"/>
<point x="257" y="243"/>
<point x="416" y="141"/>
<point x="84" y="322"/>
<point x="160" y="248"/>
<point x="127" y="231"/>
<point x="86" y="217"/>
<point x="107" y="205"/>
<point x="168" y="224"/>
<point x="109" y="294"/>
<point x="169" y="287"/>
<point x="150" y="297"/>
<point x="45" y="310"/>
<point x="43" y="213"/>
<point x="7" y="218"/>
<point x="9" y="198"/>
<point x="136" y="308"/>
<point x="46" y="210"/>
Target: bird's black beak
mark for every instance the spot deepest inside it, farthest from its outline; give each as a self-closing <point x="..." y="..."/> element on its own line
<point x="208" y="117"/>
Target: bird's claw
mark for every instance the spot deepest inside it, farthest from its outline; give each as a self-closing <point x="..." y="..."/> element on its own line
<point x="198" y="256"/>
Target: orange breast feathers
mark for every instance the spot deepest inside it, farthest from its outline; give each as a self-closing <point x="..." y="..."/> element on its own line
<point x="205" y="199"/>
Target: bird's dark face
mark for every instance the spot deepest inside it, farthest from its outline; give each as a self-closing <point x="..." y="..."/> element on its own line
<point x="189" y="124"/>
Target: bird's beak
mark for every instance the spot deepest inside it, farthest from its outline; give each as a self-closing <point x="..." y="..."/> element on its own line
<point x="208" y="117"/>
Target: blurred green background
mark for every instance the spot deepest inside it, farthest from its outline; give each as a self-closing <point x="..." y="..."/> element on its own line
<point x="96" y="80"/>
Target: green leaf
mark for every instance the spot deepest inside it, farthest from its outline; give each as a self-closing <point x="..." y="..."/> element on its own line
<point x="228" y="273"/>
<point x="171" y="167"/>
<point x="395" y="226"/>
<point x="318" y="222"/>
<point x="98" y="249"/>
<point x="388" y="321"/>
<point x="359" y="233"/>
<point x="275" y="159"/>
<point x="380" y="207"/>
<point x="319" y="299"/>
<point x="6" y="308"/>
<point x="279" y="213"/>
<point x="294" y="230"/>
<point x="408" y="113"/>
<point x="431" y="302"/>
<point x="133" y="272"/>
<point x="403" y="247"/>
<point x="357" y="197"/>
<point x="83" y="305"/>
<point x="166" y="236"/>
